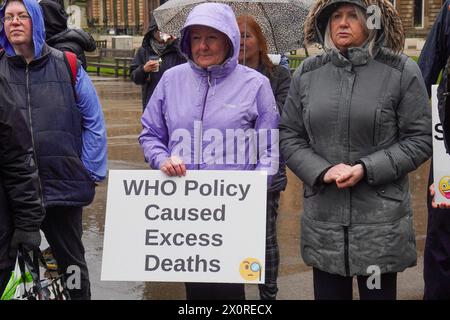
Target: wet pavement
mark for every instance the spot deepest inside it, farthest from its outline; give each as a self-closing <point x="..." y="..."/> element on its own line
<point x="121" y="101"/>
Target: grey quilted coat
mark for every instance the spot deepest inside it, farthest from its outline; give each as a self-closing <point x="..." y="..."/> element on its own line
<point x="344" y="110"/>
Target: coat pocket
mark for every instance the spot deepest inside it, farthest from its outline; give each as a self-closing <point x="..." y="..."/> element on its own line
<point x="377" y="127"/>
<point x="307" y="123"/>
<point x="308" y="191"/>
<point x="391" y="191"/>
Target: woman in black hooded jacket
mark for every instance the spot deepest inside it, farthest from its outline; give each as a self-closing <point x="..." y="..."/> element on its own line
<point x="153" y="47"/>
<point x="58" y="36"/>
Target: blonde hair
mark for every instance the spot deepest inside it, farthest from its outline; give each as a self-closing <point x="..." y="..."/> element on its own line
<point x="362" y="18"/>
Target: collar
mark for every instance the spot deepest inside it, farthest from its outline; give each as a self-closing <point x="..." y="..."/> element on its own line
<point x="356" y="56"/>
<point x="214" y="71"/>
<point x="20" y="61"/>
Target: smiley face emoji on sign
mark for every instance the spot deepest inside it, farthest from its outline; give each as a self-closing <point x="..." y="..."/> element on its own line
<point x="444" y="186"/>
<point x="250" y="269"/>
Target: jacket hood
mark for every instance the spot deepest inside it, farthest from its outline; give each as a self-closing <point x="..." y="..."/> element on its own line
<point x="149" y="34"/>
<point x="170" y="47"/>
<point x="391" y="34"/>
<point x="55" y="18"/>
<point x="220" y="17"/>
<point x="79" y="36"/>
<point x="37" y="20"/>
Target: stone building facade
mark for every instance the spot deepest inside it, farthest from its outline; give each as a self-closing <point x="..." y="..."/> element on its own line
<point x="115" y="16"/>
<point x="120" y="17"/>
<point x="417" y="16"/>
<point x="132" y="16"/>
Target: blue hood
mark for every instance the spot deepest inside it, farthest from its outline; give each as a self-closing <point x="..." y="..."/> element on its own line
<point x="220" y="17"/>
<point x="37" y="20"/>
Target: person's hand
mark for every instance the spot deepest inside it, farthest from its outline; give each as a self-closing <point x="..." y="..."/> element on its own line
<point x="172" y="39"/>
<point x="30" y="240"/>
<point x="151" y="65"/>
<point x="335" y="172"/>
<point x="435" y="205"/>
<point x="350" y="177"/>
<point x="173" y="166"/>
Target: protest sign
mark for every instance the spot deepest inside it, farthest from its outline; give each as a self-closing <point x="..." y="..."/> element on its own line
<point x="441" y="159"/>
<point x="208" y="226"/>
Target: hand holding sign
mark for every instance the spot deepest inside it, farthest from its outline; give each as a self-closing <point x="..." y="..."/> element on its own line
<point x="441" y="205"/>
<point x="173" y="166"/>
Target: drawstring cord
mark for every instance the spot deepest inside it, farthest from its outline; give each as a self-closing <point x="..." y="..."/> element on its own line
<point x="214" y="87"/>
<point x="199" y="84"/>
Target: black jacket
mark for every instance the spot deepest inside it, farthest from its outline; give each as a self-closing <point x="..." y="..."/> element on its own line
<point x="73" y="40"/>
<point x="44" y="93"/>
<point x="280" y="79"/>
<point x="20" y="195"/>
<point x="432" y="61"/>
<point x="149" y="80"/>
<point x="58" y="36"/>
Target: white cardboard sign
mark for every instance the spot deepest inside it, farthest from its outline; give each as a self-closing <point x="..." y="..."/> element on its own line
<point x="208" y="226"/>
<point x="441" y="159"/>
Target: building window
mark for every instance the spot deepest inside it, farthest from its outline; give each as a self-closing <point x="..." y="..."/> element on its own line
<point x="418" y="13"/>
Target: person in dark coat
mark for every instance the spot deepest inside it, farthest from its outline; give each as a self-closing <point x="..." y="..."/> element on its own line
<point x="155" y="45"/>
<point x="21" y="206"/>
<point x="68" y="132"/>
<point x="355" y="123"/>
<point x="253" y="54"/>
<point x="58" y="36"/>
<point x="432" y="61"/>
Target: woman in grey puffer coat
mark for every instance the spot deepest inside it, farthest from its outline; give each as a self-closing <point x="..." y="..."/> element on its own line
<point x="355" y="123"/>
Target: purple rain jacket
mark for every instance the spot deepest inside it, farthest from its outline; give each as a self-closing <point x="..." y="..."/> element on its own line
<point x="194" y="112"/>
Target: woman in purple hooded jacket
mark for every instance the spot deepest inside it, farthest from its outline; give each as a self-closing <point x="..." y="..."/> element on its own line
<point x="210" y="93"/>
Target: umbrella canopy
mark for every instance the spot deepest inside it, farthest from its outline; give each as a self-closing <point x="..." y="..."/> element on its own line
<point x="281" y="20"/>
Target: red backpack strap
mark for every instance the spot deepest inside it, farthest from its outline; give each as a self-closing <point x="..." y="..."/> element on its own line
<point x="71" y="60"/>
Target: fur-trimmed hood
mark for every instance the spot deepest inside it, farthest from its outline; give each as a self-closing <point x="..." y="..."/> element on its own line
<point x="391" y="34"/>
